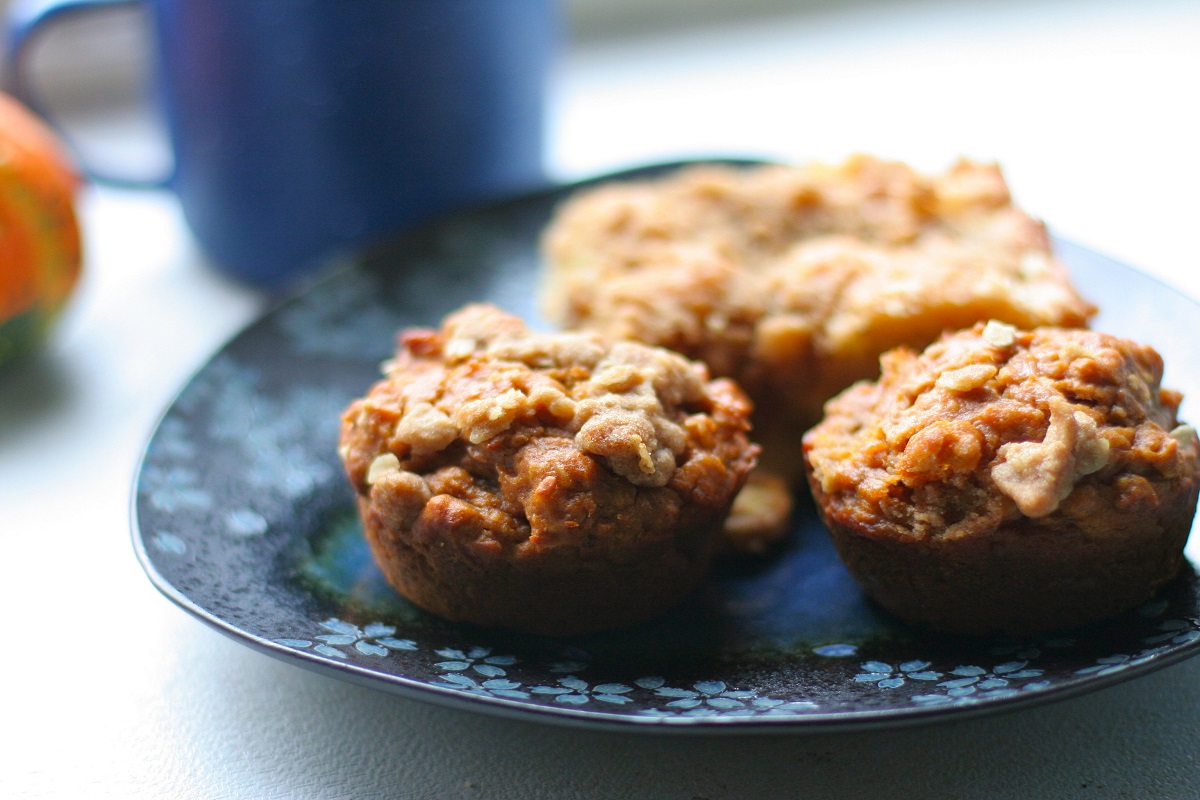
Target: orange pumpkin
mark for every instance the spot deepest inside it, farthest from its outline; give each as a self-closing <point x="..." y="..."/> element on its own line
<point x="40" y="250"/>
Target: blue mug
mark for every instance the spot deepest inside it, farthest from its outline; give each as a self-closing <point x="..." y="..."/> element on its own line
<point x="300" y="128"/>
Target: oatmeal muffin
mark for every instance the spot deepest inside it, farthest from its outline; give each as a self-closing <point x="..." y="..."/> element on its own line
<point x="550" y="483"/>
<point x="1008" y="481"/>
<point x="793" y="280"/>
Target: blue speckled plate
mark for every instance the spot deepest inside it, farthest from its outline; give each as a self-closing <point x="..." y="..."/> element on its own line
<point x="243" y="517"/>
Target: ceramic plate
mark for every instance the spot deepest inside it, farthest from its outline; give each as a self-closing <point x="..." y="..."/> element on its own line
<point x="243" y="518"/>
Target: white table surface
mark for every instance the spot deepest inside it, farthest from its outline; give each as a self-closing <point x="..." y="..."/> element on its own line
<point x="109" y="690"/>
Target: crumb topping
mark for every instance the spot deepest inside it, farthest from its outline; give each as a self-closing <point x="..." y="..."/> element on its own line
<point x="970" y="432"/>
<point x="617" y="402"/>
<point x="508" y="426"/>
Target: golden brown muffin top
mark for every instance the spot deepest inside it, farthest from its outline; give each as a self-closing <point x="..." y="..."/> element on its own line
<point x="728" y="224"/>
<point x="992" y="423"/>
<point x="545" y="430"/>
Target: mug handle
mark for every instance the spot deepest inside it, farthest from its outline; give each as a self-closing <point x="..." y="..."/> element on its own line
<point x="28" y="18"/>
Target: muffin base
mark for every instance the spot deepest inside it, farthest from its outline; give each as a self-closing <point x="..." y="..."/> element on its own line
<point x="1021" y="579"/>
<point x="537" y="592"/>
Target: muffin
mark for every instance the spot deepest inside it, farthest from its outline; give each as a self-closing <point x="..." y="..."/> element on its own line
<point x="1008" y="481"/>
<point x="546" y="482"/>
<point x="793" y="280"/>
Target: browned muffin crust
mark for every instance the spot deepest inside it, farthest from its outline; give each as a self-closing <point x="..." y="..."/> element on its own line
<point x="1009" y="481"/>
<point x="552" y="483"/>
<point x="793" y="280"/>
